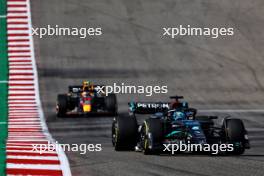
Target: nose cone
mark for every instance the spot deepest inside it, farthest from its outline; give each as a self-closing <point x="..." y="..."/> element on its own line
<point x="87" y="108"/>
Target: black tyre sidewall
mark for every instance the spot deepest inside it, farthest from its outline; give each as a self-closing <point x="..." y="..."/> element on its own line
<point x="235" y="132"/>
<point x="125" y="133"/>
<point x="111" y="103"/>
<point x="154" y="127"/>
<point x="62" y="105"/>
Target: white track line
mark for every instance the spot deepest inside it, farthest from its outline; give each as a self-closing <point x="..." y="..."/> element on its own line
<point x="62" y="156"/>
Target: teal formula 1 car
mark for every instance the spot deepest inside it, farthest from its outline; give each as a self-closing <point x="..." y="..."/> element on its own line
<point x="166" y="126"/>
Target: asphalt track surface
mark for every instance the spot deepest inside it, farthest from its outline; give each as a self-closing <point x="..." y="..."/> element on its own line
<point x="212" y="74"/>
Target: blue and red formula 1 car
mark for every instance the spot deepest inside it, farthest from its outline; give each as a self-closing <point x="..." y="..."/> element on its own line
<point x="86" y="99"/>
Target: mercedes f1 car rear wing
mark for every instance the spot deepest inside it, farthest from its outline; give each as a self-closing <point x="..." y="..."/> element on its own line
<point x="153" y="107"/>
<point x="148" y="107"/>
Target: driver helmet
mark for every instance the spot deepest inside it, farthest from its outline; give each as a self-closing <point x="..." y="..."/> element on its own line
<point x="185" y="104"/>
<point x="177" y="115"/>
<point x="84" y="94"/>
<point x="85" y="85"/>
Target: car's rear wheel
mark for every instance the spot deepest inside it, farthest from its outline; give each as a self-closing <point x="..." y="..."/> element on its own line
<point x="61" y="105"/>
<point x="124" y="132"/>
<point x="235" y="134"/>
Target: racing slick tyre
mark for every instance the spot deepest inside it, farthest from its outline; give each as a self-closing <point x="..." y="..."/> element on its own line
<point x="111" y="103"/>
<point x="124" y="132"/>
<point x="61" y="105"/>
<point x="152" y="134"/>
<point x="235" y="133"/>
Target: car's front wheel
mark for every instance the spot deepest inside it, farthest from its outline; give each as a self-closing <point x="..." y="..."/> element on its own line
<point x="151" y="136"/>
<point x="124" y="133"/>
<point x="61" y="108"/>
